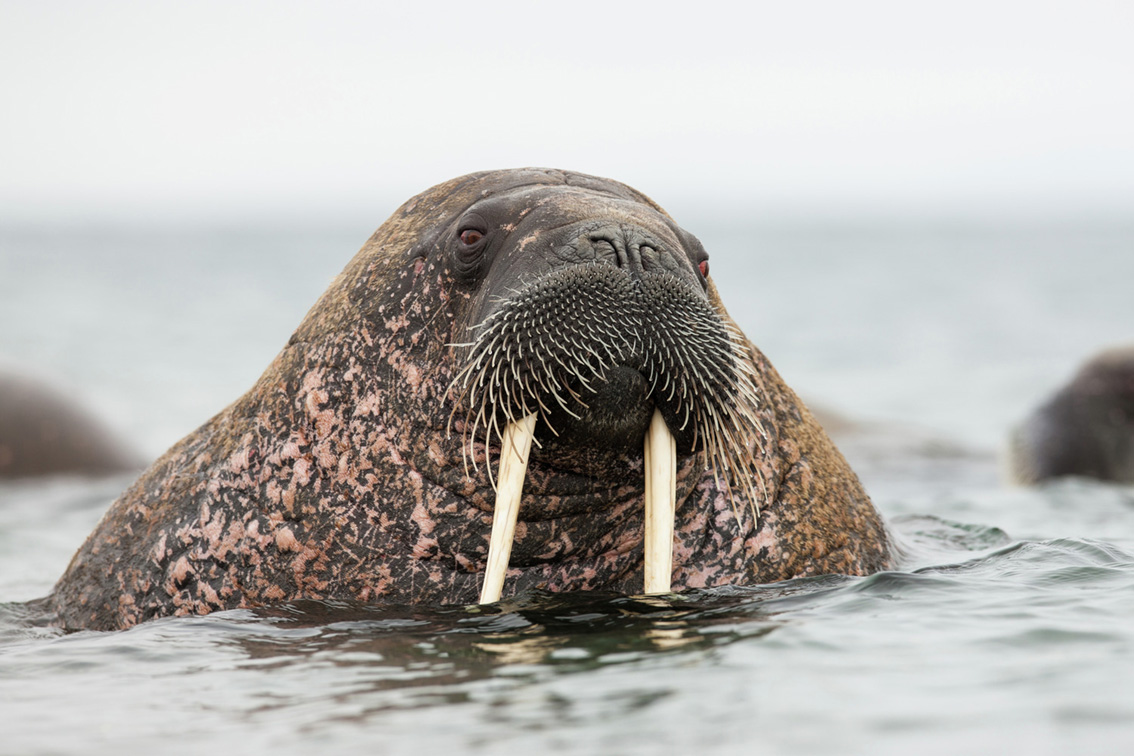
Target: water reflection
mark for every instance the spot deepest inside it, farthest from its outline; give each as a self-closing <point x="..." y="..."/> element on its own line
<point x="409" y="657"/>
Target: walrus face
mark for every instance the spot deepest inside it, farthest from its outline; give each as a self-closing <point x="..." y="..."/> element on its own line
<point x="590" y="326"/>
<point x="591" y="312"/>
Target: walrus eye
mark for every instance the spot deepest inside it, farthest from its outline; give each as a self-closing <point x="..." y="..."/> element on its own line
<point x="703" y="266"/>
<point x="472" y="242"/>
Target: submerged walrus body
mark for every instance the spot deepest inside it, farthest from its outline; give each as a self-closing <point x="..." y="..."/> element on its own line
<point x="45" y="431"/>
<point x="1085" y="429"/>
<point x="361" y="464"/>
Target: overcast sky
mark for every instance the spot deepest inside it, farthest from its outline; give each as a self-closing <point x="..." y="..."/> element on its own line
<point x="239" y="109"/>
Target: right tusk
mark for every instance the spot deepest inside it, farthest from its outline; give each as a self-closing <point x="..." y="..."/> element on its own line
<point x="661" y="504"/>
<point x="514" y="448"/>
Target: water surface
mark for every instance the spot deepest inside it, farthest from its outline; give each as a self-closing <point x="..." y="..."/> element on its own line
<point x="1008" y="628"/>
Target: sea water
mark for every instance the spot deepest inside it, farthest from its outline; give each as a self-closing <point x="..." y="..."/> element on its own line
<point x="1008" y="626"/>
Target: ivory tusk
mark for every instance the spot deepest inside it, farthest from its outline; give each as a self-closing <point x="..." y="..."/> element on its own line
<point x="661" y="498"/>
<point x="516" y="444"/>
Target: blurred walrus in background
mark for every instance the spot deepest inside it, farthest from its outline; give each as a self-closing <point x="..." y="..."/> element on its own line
<point x="494" y="313"/>
<point x="1086" y="429"/>
<point x="45" y="432"/>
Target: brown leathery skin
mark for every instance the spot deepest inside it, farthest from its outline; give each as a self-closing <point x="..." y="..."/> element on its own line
<point x="338" y="475"/>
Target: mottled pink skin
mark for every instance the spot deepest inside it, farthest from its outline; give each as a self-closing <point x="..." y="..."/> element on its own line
<point x="337" y="476"/>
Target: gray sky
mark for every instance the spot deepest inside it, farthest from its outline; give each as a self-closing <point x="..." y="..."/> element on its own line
<point x="238" y="109"/>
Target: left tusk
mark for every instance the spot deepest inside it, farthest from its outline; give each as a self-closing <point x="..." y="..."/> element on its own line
<point x="514" y="448"/>
<point x="661" y="504"/>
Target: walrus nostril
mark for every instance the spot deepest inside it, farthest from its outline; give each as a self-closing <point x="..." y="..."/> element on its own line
<point x="627" y="247"/>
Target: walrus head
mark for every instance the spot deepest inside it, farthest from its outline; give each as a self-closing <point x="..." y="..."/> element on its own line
<point x="588" y="324"/>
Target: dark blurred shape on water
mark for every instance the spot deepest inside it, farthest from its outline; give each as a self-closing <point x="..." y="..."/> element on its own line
<point x="44" y="431"/>
<point x="1086" y="429"/>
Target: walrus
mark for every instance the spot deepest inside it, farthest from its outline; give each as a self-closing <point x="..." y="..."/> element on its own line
<point x="560" y="326"/>
<point x="45" y="431"/>
<point x="1085" y="429"/>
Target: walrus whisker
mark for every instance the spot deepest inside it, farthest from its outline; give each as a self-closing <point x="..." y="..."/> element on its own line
<point x="563" y="404"/>
<point x="545" y="413"/>
<point x="685" y="415"/>
<point x="489" y="421"/>
<point x="481" y="418"/>
<point x="585" y="348"/>
<point x="498" y="433"/>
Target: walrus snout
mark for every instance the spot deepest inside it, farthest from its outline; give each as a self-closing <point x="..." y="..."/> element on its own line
<point x="634" y="249"/>
<point x="594" y="349"/>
